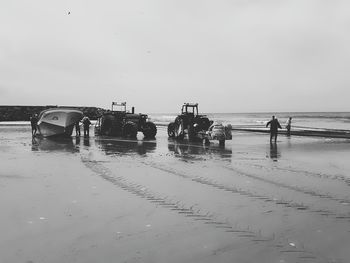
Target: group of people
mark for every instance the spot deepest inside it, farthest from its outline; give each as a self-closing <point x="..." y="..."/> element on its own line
<point x="85" y="121"/>
<point x="86" y="124"/>
<point x="275" y="125"/>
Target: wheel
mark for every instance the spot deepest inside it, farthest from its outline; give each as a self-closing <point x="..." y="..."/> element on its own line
<point x="191" y="132"/>
<point x="149" y="130"/>
<point x="205" y="123"/>
<point x="106" y="128"/>
<point x="202" y="123"/>
<point x="179" y="129"/>
<point x="130" y="130"/>
<point x="117" y="129"/>
<point x="171" y="131"/>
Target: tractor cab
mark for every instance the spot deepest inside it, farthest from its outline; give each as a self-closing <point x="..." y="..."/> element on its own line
<point x="190" y="108"/>
<point x="118" y="106"/>
<point x="121" y="108"/>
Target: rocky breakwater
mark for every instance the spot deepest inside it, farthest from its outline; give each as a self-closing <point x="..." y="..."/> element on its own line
<point x="23" y="113"/>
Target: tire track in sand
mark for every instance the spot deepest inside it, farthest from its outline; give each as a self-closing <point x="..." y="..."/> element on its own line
<point x="342" y="201"/>
<point x="235" y="190"/>
<point x="335" y="177"/>
<point x="206" y="217"/>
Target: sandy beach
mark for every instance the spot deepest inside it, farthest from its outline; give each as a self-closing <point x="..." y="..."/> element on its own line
<point x="114" y="200"/>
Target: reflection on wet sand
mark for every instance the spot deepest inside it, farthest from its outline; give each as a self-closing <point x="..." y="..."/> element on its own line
<point x="86" y="141"/>
<point x="119" y="146"/>
<point x="35" y="144"/>
<point x="274" y="152"/>
<point x="54" y="144"/>
<point x="77" y="140"/>
<point x="187" y="149"/>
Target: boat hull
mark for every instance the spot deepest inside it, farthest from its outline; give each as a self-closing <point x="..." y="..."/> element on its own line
<point x="58" y="122"/>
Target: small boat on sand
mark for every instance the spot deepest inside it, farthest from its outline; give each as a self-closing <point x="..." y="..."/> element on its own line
<point x="58" y="121"/>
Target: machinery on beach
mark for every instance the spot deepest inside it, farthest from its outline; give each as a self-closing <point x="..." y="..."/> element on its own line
<point x="119" y="122"/>
<point x="197" y="127"/>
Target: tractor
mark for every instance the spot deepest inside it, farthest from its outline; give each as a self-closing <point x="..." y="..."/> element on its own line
<point x="197" y="127"/>
<point x="122" y="123"/>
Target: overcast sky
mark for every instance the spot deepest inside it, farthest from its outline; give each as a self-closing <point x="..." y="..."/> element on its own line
<point x="229" y="56"/>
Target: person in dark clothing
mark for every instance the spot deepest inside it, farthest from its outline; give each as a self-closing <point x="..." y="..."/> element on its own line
<point x="34" y="123"/>
<point x="274" y="125"/>
<point x="289" y="125"/>
<point x="77" y="129"/>
<point x="86" y="123"/>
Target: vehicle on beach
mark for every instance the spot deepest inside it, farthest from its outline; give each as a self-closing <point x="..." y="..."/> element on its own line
<point x="220" y="132"/>
<point x="58" y="122"/>
<point x="123" y="123"/>
<point x="197" y="127"/>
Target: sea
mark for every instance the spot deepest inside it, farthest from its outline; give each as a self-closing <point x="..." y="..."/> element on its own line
<point x="311" y="120"/>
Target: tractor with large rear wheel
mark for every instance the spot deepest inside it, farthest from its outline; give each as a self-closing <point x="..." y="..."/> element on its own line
<point x="197" y="127"/>
<point x="122" y="123"/>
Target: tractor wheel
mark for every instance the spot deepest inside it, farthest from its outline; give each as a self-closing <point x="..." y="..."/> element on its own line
<point x="179" y="129"/>
<point x="204" y="124"/>
<point x="222" y="142"/>
<point x="191" y="132"/>
<point x="106" y="127"/>
<point x="171" y="130"/>
<point x="130" y="130"/>
<point x="149" y="130"/>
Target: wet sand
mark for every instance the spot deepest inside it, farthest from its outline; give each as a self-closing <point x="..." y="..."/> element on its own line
<point x="112" y="200"/>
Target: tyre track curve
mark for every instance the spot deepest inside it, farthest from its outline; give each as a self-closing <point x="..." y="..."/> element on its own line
<point x="335" y="177"/>
<point x="196" y="214"/>
<point x="235" y="190"/>
<point x="306" y="191"/>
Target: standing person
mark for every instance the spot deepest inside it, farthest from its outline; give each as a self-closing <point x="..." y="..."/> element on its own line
<point x="34" y="123"/>
<point x="86" y="123"/>
<point x="289" y="125"/>
<point x="77" y="129"/>
<point x="274" y="125"/>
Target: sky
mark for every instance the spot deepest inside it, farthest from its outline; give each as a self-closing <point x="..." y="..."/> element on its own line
<point x="226" y="55"/>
